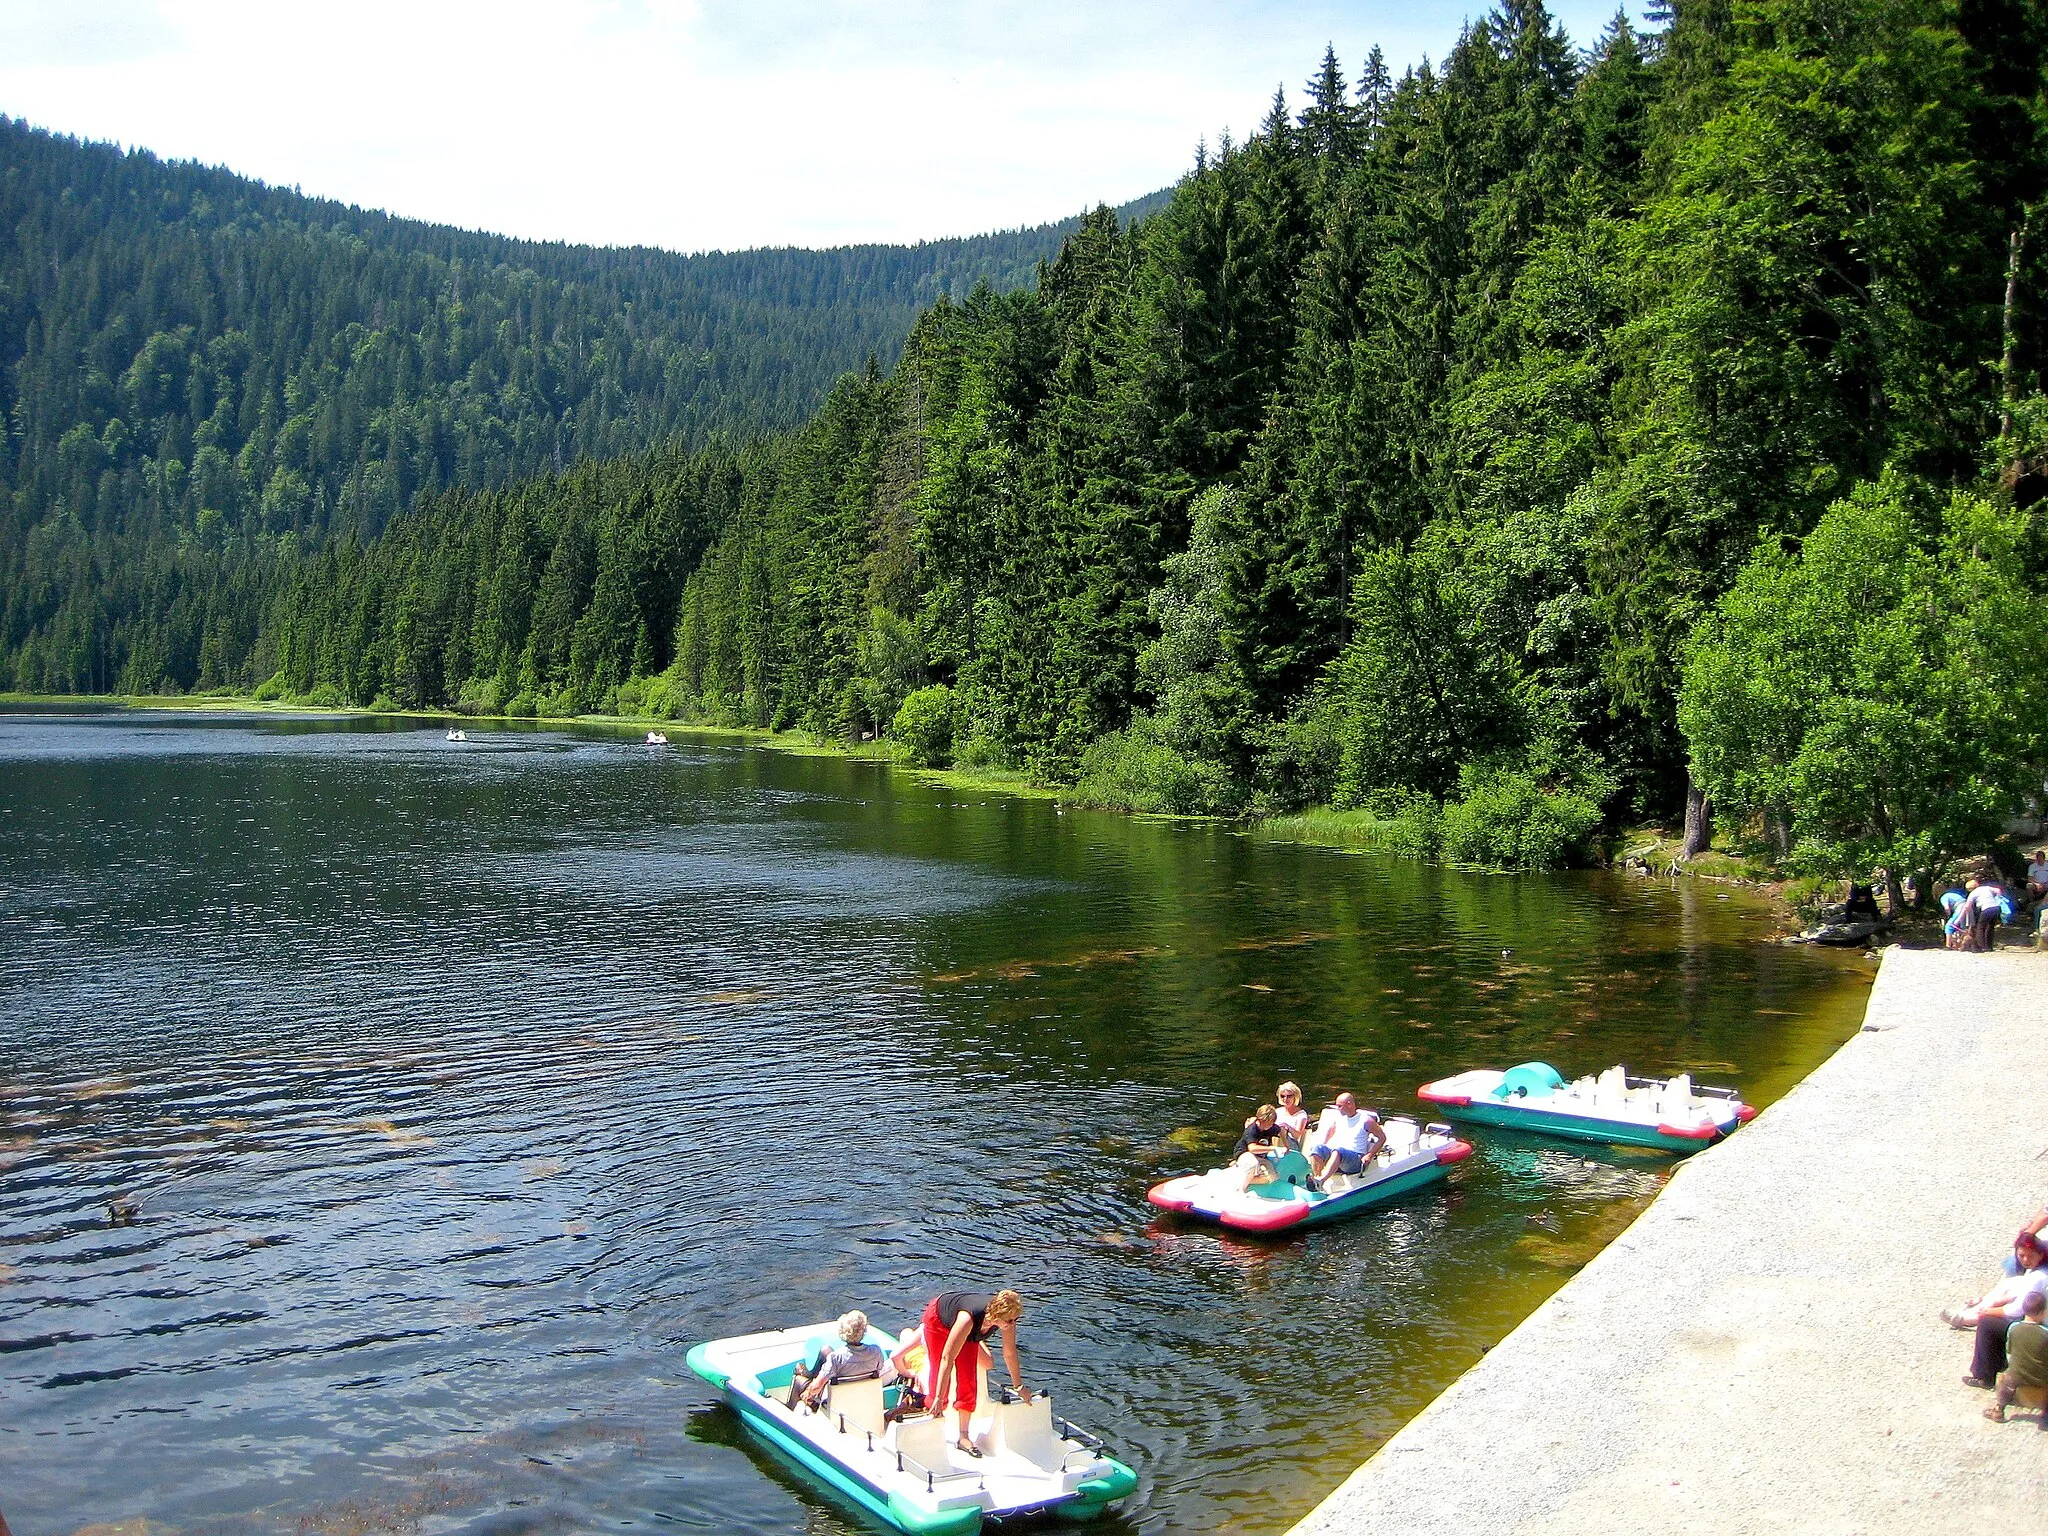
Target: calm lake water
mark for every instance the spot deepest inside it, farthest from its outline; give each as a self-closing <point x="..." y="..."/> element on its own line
<point x="462" y="1086"/>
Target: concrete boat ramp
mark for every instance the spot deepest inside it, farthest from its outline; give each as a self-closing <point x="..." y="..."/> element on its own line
<point x="1760" y="1351"/>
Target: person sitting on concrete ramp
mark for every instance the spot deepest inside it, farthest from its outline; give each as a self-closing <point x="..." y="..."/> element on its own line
<point x="2026" y="1374"/>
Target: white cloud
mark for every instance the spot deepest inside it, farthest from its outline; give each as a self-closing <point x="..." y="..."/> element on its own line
<point x="694" y="123"/>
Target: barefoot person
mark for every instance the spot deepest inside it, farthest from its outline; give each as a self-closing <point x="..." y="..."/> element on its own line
<point x="956" y="1325"/>
<point x="1264" y="1139"/>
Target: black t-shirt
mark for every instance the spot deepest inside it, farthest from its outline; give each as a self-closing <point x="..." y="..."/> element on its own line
<point x="1275" y="1136"/>
<point x="973" y="1303"/>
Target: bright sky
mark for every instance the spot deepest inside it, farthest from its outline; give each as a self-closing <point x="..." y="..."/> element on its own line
<point x="698" y="124"/>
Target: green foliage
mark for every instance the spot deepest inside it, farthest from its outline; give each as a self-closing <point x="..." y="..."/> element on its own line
<point x="924" y="726"/>
<point x="197" y="366"/>
<point x="1421" y="688"/>
<point x="1509" y="817"/>
<point x="1393" y="460"/>
<point x="1411" y="831"/>
<point x="1136" y="769"/>
<point x="1881" y="690"/>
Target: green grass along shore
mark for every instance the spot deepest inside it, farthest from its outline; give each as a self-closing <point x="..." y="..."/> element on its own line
<point x="994" y="780"/>
<point x="1355" y="831"/>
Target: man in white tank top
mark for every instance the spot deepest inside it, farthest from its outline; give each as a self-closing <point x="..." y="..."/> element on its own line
<point x="1346" y="1139"/>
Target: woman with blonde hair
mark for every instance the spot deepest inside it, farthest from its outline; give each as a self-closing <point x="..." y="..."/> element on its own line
<point x="956" y="1325"/>
<point x="1291" y="1114"/>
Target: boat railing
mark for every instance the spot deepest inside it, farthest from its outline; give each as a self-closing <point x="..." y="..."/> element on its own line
<point x="1091" y="1445"/>
<point x="1700" y="1091"/>
<point x="932" y="1476"/>
<point x="905" y="1462"/>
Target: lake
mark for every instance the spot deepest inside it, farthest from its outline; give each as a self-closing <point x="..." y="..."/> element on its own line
<point x="462" y="1086"/>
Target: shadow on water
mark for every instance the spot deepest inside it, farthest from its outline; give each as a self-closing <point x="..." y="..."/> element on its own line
<point x="458" y="1087"/>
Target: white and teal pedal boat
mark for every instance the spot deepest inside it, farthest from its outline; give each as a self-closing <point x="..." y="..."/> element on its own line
<point x="1413" y="1157"/>
<point x="908" y="1474"/>
<point x="1668" y="1114"/>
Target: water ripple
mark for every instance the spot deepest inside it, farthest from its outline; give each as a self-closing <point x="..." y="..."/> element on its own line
<point x="380" y="1117"/>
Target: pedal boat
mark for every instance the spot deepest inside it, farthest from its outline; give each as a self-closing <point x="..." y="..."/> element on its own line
<point x="1668" y="1114"/>
<point x="1413" y="1157"/>
<point x="908" y="1474"/>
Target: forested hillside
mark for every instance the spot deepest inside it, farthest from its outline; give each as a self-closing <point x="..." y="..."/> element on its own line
<point x="189" y="355"/>
<point x="1506" y="446"/>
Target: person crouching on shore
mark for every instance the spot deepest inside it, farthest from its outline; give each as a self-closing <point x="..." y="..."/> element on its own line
<point x="2002" y="1309"/>
<point x="2026" y="1347"/>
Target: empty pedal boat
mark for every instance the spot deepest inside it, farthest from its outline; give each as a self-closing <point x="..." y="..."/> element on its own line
<point x="1669" y="1114"/>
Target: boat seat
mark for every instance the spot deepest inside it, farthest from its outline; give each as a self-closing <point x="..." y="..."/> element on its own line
<point x="1402" y="1135"/>
<point x="1676" y="1104"/>
<point x="1026" y="1429"/>
<point x="859" y="1403"/>
<point x="924" y="1440"/>
<point x="1290" y="1172"/>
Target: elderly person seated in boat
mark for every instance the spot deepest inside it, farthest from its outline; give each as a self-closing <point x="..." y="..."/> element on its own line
<point x="1264" y="1139"/>
<point x="851" y="1359"/>
<point x="1994" y="1314"/>
<point x="1346" y="1139"/>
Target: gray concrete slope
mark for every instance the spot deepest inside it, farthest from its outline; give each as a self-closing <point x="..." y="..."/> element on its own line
<point x="1760" y="1351"/>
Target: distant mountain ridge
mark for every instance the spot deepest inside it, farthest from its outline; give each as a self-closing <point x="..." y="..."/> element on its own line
<point x="183" y="348"/>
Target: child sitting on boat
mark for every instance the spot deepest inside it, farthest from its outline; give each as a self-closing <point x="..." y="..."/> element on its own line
<point x="851" y="1359"/>
<point x="1264" y="1139"/>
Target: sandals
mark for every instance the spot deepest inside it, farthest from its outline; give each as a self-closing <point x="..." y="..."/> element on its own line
<point x="1995" y="1414"/>
<point x="969" y="1447"/>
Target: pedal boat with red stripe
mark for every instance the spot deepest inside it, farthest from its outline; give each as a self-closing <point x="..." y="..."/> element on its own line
<point x="908" y="1474"/>
<point x="1615" y="1109"/>
<point x="1414" y="1156"/>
